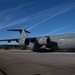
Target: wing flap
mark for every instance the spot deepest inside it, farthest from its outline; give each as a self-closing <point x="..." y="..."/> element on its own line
<point x="9" y="40"/>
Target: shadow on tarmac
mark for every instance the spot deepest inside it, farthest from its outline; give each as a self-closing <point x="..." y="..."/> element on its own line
<point x="46" y="50"/>
<point x="3" y="72"/>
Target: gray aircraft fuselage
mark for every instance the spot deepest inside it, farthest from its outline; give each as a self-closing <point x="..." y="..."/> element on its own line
<point x="64" y="41"/>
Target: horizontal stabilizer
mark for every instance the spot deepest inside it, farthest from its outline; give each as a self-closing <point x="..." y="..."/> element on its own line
<point x="18" y="30"/>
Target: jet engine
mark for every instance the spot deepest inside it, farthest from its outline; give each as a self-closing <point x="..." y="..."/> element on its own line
<point x="24" y="41"/>
<point x="43" y="40"/>
<point x="37" y="44"/>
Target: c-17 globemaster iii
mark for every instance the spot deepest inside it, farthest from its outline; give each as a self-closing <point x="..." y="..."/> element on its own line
<point x="54" y="42"/>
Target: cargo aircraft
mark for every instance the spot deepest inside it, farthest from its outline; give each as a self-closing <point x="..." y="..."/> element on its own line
<point x="54" y="42"/>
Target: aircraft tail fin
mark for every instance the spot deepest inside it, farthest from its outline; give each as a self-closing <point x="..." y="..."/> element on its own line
<point x="22" y="32"/>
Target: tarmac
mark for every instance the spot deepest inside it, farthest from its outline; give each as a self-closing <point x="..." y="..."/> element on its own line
<point x="26" y="62"/>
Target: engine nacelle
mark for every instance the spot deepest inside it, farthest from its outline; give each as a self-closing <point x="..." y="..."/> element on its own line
<point x="24" y="41"/>
<point x="43" y="40"/>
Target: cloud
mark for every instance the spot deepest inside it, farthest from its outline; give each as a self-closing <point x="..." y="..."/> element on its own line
<point x="51" y="18"/>
<point x="59" y="12"/>
<point x="6" y="19"/>
<point x="13" y="23"/>
<point x="4" y="15"/>
<point x="56" y="30"/>
<point x="52" y="12"/>
<point x="16" y="8"/>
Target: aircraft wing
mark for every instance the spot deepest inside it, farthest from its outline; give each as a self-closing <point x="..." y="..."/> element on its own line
<point x="32" y="39"/>
<point x="9" y="40"/>
<point x="34" y="43"/>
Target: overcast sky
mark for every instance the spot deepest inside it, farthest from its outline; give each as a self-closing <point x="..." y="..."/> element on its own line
<point x="40" y="17"/>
